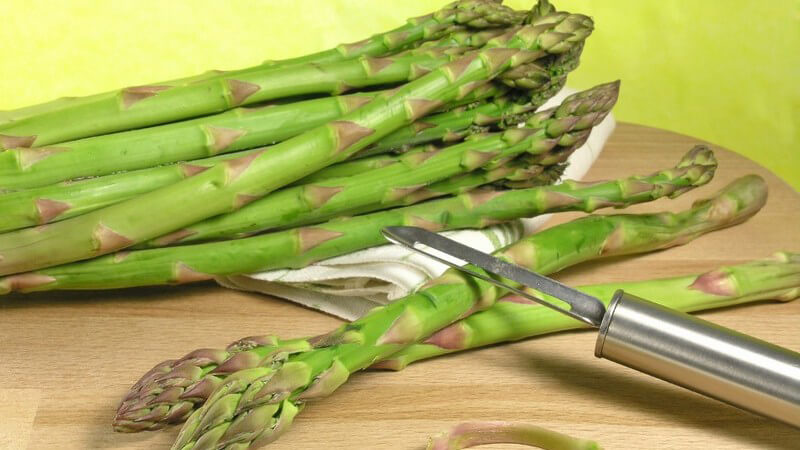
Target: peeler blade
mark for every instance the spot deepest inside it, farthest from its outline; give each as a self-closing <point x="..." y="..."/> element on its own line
<point x="583" y="307"/>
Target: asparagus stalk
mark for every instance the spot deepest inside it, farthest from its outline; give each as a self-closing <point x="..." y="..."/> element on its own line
<point x="301" y="246"/>
<point x="257" y="403"/>
<point x="385" y="187"/>
<point x="139" y="408"/>
<point x="234" y="183"/>
<point x="231" y="131"/>
<point x="138" y="106"/>
<point x="473" y="434"/>
<point x="513" y="318"/>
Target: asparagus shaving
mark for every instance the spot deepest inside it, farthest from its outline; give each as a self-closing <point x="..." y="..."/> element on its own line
<point x="473" y="434"/>
<point x="301" y="246"/>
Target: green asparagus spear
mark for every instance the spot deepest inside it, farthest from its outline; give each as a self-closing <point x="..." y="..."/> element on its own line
<point x="234" y="183"/>
<point x="238" y="129"/>
<point x="514" y="318"/>
<point x="472" y="434"/>
<point x="301" y="246"/>
<point x="254" y="405"/>
<point x="139" y="106"/>
<point x="140" y="403"/>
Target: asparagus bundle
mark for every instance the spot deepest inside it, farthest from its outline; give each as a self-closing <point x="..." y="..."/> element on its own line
<point x="230" y="185"/>
<point x="299" y="247"/>
<point x="140" y="106"/>
<point x="617" y="192"/>
<point x="257" y="403"/>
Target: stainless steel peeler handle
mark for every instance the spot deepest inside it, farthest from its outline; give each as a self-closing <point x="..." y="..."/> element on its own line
<point x="701" y="356"/>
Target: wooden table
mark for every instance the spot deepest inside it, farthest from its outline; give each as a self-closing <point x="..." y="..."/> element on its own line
<point x="66" y="359"/>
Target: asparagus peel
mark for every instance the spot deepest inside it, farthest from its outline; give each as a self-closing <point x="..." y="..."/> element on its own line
<point x="473" y="434"/>
<point x="249" y="407"/>
<point x="200" y="372"/>
<point x="301" y="246"/>
<point x="513" y="318"/>
<point x="139" y="106"/>
<point x="230" y="185"/>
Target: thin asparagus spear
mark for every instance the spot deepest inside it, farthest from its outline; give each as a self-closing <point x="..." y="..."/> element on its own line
<point x="254" y="406"/>
<point x="513" y="318"/>
<point x="299" y="247"/>
<point x="384" y="187"/>
<point x="236" y="182"/>
<point x="151" y="105"/>
<point x="473" y="434"/>
<point x="140" y="404"/>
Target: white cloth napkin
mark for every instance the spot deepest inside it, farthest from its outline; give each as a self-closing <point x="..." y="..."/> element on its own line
<point x="348" y="286"/>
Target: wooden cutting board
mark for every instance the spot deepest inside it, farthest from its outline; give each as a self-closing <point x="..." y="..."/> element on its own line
<point x="66" y="358"/>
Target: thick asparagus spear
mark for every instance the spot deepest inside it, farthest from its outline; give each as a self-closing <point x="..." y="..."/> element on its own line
<point x="385" y="187"/>
<point x="301" y="246"/>
<point x="513" y="318"/>
<point x="69" y="119"/>
<point x="236" y="182"/>
<point x="616" y="192"/>
<point x="254" y="405"/>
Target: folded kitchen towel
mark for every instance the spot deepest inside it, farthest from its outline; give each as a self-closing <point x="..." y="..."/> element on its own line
<point x="348" y="286"/>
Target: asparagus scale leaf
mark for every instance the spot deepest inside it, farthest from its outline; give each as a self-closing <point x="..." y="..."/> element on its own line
<point x="189" y="380"/>
<point x="301" y="246"/>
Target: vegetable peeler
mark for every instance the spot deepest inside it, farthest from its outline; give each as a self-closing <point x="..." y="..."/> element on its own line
<point x="676" y="347"/>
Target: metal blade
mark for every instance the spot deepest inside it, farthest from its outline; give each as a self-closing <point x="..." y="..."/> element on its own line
<point x="583" y="307"/>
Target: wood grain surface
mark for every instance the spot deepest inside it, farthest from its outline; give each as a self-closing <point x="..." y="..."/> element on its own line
<point x="66" y="358"/>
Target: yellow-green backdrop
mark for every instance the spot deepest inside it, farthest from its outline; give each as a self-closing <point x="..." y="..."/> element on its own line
<point x="727" y="71"/>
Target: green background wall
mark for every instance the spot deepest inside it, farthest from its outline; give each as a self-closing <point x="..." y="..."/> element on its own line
<point x="727" y="71"/>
